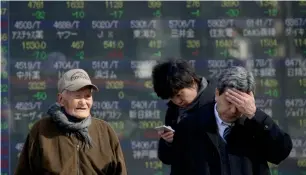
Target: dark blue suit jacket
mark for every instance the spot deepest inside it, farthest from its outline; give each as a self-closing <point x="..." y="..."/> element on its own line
<point x="251" y="144"/>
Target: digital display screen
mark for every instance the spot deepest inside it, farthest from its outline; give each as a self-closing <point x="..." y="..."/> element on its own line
<point x="118" y="43"/>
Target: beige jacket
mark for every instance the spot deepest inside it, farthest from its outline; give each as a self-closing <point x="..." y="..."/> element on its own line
<point x="47" y="151"/>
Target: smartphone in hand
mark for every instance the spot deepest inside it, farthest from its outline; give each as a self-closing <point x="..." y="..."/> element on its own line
<point x="164" y="128"/>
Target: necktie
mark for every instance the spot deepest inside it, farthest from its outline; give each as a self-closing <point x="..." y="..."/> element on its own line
<point x="226" y="132"/>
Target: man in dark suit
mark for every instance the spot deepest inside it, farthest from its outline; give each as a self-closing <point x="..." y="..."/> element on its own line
<point x="229" y="136"/>
<point x="175" y="80"/>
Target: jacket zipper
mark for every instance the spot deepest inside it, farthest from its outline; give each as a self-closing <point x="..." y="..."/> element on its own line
<point x="78" y="161"/>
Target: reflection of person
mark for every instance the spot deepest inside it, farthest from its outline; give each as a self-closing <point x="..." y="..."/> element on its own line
<point x="234" y="138"/>
<point x="69" y="140"/>
<point x="176" y="80"/>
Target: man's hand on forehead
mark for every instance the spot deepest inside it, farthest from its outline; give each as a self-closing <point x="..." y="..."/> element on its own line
<point x="244" y="102"/>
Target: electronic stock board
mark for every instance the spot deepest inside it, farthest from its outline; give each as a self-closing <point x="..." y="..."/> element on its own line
<point x="118" y="42"/>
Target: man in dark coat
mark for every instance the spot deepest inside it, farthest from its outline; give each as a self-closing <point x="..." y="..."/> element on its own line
<point x="176" y="80"/>
<point x="229" y="136"/>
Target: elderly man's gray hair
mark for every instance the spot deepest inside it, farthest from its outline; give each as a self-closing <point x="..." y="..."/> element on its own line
<point x="236" y="77"/>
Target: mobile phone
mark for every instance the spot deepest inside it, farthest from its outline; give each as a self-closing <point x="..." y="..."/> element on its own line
<point x="164" y="128"/>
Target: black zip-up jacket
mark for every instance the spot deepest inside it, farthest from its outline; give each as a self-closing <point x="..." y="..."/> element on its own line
<point x="174" y="114"/>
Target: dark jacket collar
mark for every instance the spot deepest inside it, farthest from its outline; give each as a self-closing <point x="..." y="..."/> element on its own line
<point x="205" y="95"/>
<point x="206" y="118"/>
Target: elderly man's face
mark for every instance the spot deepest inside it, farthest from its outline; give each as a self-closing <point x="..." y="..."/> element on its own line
<point x="77" y="103"/>
<point x="226" y="110"/>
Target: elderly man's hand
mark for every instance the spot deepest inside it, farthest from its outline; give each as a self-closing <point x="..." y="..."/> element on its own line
<point x="244" y="102"/>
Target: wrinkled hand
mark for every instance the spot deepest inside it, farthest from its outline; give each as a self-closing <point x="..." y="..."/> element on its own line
<point x="166" y="135"/>
<point x="244" y="102"/>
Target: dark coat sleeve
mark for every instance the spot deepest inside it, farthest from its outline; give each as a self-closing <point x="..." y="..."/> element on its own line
<point x="179" y="149"/>
<point x="164" y="148"/>
<point x="164" y="151"/>
<point x="119" y="159"/>
<point x="29" y="161"/>
<point x="275" y="144"/>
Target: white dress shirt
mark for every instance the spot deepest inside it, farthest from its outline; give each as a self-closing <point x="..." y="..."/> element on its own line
<point x="221" y="124"/>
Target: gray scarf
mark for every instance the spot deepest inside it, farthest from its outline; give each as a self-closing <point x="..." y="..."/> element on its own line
<point x="79" y="129"/>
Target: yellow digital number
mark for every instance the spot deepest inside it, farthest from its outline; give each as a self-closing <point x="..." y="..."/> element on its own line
<point x="300" y="42"/>
<point x="75" y="4"/>
<point x="119" y="125"/>
<point x="268" y="42"/>
<point x="109" y="44"/>
<point x="77" y="44"/>
<point x="227" y="4"/>
<point x="155" y="44"/>
<point x="3" y="62"/>
<point x="4" y="37"/>
<point x="193" y="4"/>
<point x="224" y="43"/>
<point x="36" y="4"/>
<point x="271" y="83"/>
<point x="37" y="85"/>
<point x="149" y="124"/>
<point x="301" y="163"/>
<point x="154" y="4"/>
<point x="154" y="164"/>
<point x="148" y="84"/>
<point x="114" y="4"/>
<point x="302" y="82"/>
<point x="302" y="122"/>
<point x="3" y="11"/>
<point x="268" y="3"/>
<point x="302" y="3"/>
<point x="193" y="44"/>
<point x="34" y="45"/>
<point x="114" y="85"/>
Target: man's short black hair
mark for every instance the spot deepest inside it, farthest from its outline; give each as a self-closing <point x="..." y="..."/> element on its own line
<point x="170" y="76"/>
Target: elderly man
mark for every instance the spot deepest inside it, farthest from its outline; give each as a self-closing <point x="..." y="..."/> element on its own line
<point x="229" y="136"/>
<point x="69" y="140"/>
